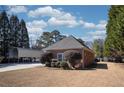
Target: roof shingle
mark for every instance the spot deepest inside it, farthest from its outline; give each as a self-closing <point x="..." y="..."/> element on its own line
<point x="66" y="43"/>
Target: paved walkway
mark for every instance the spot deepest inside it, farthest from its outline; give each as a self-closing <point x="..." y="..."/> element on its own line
<point x="14" y="66"/>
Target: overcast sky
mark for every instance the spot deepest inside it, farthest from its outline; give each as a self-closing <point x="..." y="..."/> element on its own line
<point x="86" y="22"/>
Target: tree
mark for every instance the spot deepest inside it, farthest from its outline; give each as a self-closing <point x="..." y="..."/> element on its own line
<point x="45" y="40"/>
<point x="12" y="33"/>
<point x="115" y="30"/>
<point x="4" y="33"/>
<point x="49" y="38"/>
<point x="23" y="35"/>
<point x="56" y="36"/>
<point x="98" y="45"/>
<point x="14" y="26"/>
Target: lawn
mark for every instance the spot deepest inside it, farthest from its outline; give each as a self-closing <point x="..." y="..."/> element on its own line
<point x="106" y="74"/>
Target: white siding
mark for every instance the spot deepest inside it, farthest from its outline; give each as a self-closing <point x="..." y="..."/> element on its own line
<point x="29" y="53"/>
<point x="22" y="52"/>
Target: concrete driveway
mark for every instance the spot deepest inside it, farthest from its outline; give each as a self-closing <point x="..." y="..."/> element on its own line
<point x="15" y="66"/>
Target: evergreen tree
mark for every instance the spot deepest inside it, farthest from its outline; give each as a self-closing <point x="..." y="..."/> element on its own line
<point x="12" y="33"/>
<point x="115" y="30"/>
<point x="14" y="25"/>
<point x="23" y="35"/>
<point x="4" y="33"/>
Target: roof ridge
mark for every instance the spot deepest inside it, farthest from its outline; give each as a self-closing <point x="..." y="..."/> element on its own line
<point x="84" y="45"/>
<point x="76" y="39"/>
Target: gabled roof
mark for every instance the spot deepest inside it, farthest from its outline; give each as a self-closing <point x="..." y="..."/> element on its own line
<point x="67" y="43"/>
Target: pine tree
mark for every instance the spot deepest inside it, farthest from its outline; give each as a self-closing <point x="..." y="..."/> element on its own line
<point x="4" y="33"/>
<point x="12" y="33"/>
<point x="14" y="25"/>
<point x="23" y="37"/>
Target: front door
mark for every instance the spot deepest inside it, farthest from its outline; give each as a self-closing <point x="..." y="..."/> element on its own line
<point x="60" y="56"/>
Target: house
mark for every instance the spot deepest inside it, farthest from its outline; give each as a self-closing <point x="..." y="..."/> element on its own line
<point x="23" y="53"/>
<point x="71" y="43"/>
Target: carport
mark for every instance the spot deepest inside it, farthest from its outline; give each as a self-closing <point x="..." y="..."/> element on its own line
<point x="24" y="54"/>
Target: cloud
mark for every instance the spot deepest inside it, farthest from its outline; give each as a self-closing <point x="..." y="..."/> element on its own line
<point x="92" y="35"/>
<point x="17" y="9"/>
<point x="96" y="31"/>
<point x="60" y="22"/>
<point x="35" y="29"/>
<point x="99" y="34"/>
<point x="51" y="12"/>
<point x="37" y="24"/>
<point x="66" y="16"/>
<point x="58" y="17"/>
<point x="89" y="25"/>
<point x="44" y="11"/>
<point x="101" y="25"/>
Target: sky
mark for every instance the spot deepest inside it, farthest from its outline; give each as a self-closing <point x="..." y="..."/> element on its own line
<point x="82" y="21"/>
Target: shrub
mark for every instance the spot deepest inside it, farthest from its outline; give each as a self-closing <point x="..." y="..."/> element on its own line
<point x="72" y="56"/>
<point x="53" y="64"/>
<point x="57" y="64"/>
<point x="64" y="65"/>
<point x="46" y="58"/>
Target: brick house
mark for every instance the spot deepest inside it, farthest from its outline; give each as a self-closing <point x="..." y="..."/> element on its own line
<point x="71" y="43"/>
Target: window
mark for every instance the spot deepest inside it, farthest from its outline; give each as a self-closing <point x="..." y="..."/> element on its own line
<point x="60" y="56"/>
